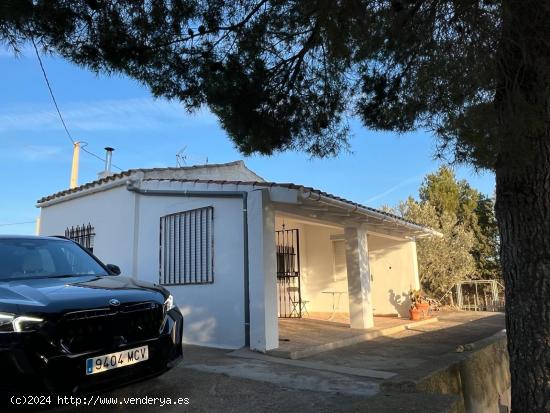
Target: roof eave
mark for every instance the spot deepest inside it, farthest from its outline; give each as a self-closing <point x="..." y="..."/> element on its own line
<point x="303" y="192"/>
<point x="306" y="193"/>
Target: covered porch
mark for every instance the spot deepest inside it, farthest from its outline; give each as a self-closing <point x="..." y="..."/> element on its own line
<point x="333" y="267"/>
<point x="342" y="274"/>
<point x="323" y="306"/>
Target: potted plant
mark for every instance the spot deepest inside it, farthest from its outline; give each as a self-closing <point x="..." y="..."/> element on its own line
<point x="414" y="313"/>
<point x="419" y="302"/>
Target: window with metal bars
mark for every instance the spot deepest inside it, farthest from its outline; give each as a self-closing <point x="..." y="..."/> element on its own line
<point x="83" y="234"/>
<point x="187" y="247"/>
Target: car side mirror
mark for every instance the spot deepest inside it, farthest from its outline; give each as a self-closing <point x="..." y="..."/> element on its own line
<point x="113" y="269"/>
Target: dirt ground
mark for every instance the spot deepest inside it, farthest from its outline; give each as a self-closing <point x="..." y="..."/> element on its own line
<point x="211" y="392"/>
<point x="214" y="380"/>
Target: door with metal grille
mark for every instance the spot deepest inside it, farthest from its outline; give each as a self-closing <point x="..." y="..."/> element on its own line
<point x="288" y="273"/>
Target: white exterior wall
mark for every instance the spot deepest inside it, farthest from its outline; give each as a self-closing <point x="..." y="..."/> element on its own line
<point x="111" y="213"/>
<point x="319" y="271"/>
<point x="264" y="326"/>
<point x="394" y="273"/>
<point x="214" y="313"/>
<point x="125" y="222"/>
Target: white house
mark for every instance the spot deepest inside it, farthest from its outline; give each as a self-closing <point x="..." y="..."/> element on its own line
<point x="238" y="252"/>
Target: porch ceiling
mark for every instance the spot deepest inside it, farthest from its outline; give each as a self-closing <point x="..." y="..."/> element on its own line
<point x="334" y="216"/>
<point x="322" y="207"/>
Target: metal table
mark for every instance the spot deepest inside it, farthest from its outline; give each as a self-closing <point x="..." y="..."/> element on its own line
<point x="335" y="302"/>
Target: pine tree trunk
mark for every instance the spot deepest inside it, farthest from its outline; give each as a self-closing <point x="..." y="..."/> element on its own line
<point x="523" y="196"/>
<point x="523" y="211"/>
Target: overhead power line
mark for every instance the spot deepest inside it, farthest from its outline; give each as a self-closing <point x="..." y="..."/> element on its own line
<point x="73" y="142"/>
<point x="83" y="147"/>
<point x="51" y="92"/>
<point x="17" y="223"/>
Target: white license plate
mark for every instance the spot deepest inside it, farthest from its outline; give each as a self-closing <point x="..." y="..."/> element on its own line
<point x="111" y="361"/>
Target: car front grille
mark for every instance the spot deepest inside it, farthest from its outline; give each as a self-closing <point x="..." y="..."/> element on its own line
<point x="99" y="328"/>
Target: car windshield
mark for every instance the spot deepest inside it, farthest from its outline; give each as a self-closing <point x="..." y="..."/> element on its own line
<point x="41" y="258"/>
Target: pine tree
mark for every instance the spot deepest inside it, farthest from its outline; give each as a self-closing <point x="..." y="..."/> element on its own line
<point x="287" y="75"/>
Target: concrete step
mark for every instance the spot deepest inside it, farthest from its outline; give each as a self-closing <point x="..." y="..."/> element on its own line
<point x="314" y="365"/>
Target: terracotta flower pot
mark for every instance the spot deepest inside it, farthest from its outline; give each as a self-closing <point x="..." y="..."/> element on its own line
<point x="415" y="314"/>
<point x="423" y="306"/>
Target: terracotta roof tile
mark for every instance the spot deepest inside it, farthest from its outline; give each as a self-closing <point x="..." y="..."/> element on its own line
<point x="288" y="185"/>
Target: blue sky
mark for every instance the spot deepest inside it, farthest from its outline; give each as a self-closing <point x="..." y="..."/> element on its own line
<point x="35" y="153"/>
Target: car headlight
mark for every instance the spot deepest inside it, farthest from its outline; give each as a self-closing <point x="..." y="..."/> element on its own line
<point x="169" y="303"/>
<point x="14" y="323"/>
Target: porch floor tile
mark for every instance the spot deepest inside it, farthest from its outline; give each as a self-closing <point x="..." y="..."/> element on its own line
<point x="303" y="337"/>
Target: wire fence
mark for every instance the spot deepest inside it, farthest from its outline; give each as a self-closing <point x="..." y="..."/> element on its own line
<point x="475" y="295"/>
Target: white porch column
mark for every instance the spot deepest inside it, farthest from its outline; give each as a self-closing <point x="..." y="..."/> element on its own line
<point x="359" y="280"/>
<point x="416" y="277"/>
<point x="264" y="324"/>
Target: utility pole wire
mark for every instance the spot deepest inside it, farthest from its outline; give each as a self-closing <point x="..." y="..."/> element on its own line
<point x="17" y="223"/>
<point x="51" y="91"/>
<point x="83" y="147"/>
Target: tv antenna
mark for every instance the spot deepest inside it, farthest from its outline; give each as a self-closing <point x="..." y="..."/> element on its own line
<point x="181" y="157"/>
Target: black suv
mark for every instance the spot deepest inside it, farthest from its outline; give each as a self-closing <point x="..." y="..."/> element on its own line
<point x="70" y="324"/>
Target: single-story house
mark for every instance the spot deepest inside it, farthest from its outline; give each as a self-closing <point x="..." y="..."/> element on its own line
<point x="238" y="252"/>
